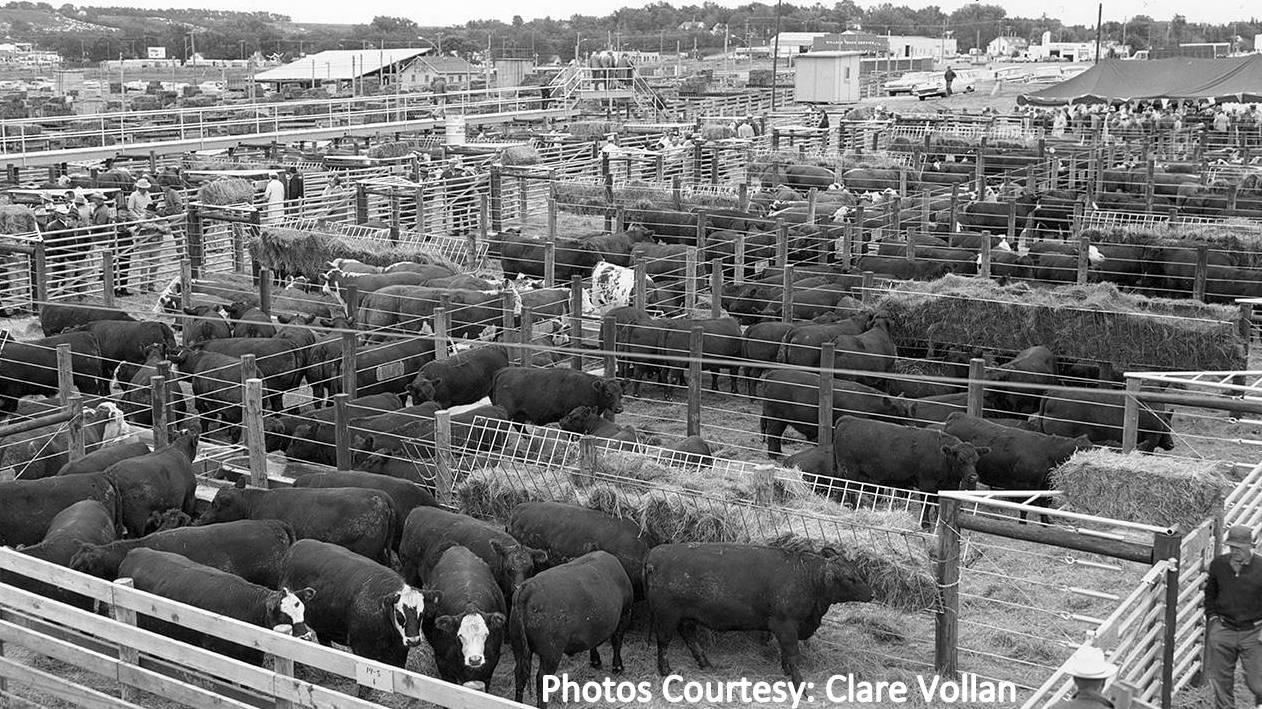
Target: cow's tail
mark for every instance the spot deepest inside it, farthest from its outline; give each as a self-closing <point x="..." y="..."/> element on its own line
<point x="518" y="640"/>
<point x="782" y="353"/>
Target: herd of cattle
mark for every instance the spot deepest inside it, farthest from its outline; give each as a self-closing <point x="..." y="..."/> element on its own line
<point x="371" y="562"/>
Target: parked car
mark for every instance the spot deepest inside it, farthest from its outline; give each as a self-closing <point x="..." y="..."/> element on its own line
<point x="905" y="83"/>
<point x="964" y="83"/>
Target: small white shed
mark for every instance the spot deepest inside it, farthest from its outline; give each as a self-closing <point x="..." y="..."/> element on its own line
<point x="827" y="77"/>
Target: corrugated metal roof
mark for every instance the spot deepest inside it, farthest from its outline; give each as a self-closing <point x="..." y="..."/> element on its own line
<point x="340" y="64"/>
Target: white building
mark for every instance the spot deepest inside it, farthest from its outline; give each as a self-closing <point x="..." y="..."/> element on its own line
<point x="1047" y="50"/>
<point x="793" y="43"/>
<point x="383" y="66"/>
<point x="1007" y="46"/>
<point x="902" y="45"/>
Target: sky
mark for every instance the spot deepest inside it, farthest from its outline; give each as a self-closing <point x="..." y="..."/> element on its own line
<point x="433" y="12"/>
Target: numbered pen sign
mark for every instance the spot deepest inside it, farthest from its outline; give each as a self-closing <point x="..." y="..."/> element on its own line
<point x="390" y="370"/>
<point x="374" y="677"/>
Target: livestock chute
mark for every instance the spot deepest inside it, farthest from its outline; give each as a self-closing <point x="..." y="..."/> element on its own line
<point x="1222" y="80"/>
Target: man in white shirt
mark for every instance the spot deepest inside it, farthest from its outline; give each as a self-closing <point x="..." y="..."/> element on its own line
<point x="274" y="197"/>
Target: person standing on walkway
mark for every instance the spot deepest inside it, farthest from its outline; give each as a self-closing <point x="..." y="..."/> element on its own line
<point x="1090" y="671"/>
<point x="274" y="198"/>
<point x="948" y="76"/>
<point x="1233" y="610"/>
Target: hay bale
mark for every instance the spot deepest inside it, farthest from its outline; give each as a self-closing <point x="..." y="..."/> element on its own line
<point x="393" y="149"/>
<point x="592" y="129"/>
<point x="1143" y="488"/>
<point x="308" y="253"/>
<point x="17" y="219"/>
<point x="1095" y="322"/>
<point x="520" y="155"/>
<point x="226" y="190"/>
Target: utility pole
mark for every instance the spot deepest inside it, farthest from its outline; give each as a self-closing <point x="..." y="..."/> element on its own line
<point x="1099" y="16"/>
<point x="775" y="59"/>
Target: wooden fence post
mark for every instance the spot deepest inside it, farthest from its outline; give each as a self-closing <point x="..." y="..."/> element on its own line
<point x="690" y="280"/>
<point x="608" y="343"/>
<point x="1084" y="256"/>
<point x="716" y="289"/>
<point x="575" y="325"/>
<point x="158" y="411"/>
<point x="1130" y="416"/>
<point x="947" y="563"/>
<point x="1168" y="547"/>
<point x="341" y="431"/>
<point x="40" y="286"/>
<point x="249" y="368"/>
<point x="107" y="277"/>
<point x="74" y="429"/>
<point x="65" y="373"/>
<point x="955" y="197"/>
<point x="524" y="334"/>
<point x="352" y="303"/>
<point x="640" y="294"/>
<point x="587" y="459"/>
<point x="441" y="327"/>
<point x="497" y="199"/>
<point x="695" y="349"/>
<point x="265" y="290"/>
<point x="976" y="387"/>
<point x="786" y="294"/>
<point x="443" y="480"/>
<point x="550" y="262"/>
<point x="738" y="261"/>
<point x="254" y="432"/>
<point x="1201" y="275"/>
<point x="782" y="243"/>
<point x="983" y="268"/>
<point x="126" y="653"/>
<point x="827" y="360"/>
<point x="350" y="366"/>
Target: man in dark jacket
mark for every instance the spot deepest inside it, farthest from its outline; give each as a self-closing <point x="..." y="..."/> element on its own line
<point x="293" y="191"/>
<point x="1233" y="609"/>
<point x="1090" y="671"/>
<point x="948" y="77"/>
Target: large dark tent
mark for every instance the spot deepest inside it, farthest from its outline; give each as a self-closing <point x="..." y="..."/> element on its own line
<point x="1224" y="80"/>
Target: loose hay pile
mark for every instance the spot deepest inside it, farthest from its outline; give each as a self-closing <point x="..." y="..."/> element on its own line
<point x="1143" y="488"/>
<point x="295" y="252"/>
<point x="226" y="190"/>
<point x="393" y="149"/>
<point x="17" y="219"/>
<point x="582" y="198"/>
<point x="680" y="504"/>
<point x="1095" y="322"/>
<point x="592" y="129"/>
<point x="520" y="155"/>
<point x="1241" y="237"/>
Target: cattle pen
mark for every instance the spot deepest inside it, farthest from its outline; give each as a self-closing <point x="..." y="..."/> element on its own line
<point x="963" y="587"/>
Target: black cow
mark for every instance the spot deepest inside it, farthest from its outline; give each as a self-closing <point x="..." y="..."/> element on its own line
<point x="122" y="341"/>
<point x="1098" y="416"/>
<point x="357" y="602"/>
<point x="84" y="522"/>
<point x="56" y="318"/>
<point x="249" y="321"/>
<point x="569" y="531"/>
<point x="525" y="255"/>
<point x="616" y="248"/>
<point x="173" y="576"/>
<point x="800" y="345"/>
<point x="216" y="387"/>
<point x="208" y="324"/>
<point x="745" y="587"/>
<point x="315" y="442"/>
<point x="277" y="430"/>
<point x="251" y="549"/>
<point x="790" y="398"/>
<point x="381" y="368"/>
<point x="359" y="519"/>
<point x="666" y="224"/>
<point x="463" y="378"/>
<point x="156" y="482"/>
<point x="567" y="609"/>
<point x="30" y="368"/>
<point x="761" y="343"/>
<point x="466" y="627"/>
<point x="1033" y="366"/>
<point x="543" y="396"/>
<point x="406" y="496"/>
<point x="721" y="339"/>
<point x="28" y="507"/>
<point x="429" y="531"/>
<point x="100" y="459"/>
<point x="399" y="450"/>
<point x="903" y="456"/>
<point x="276" y="362"/>
<point x="1016" y="459"/>
<point x="993" y="216"/>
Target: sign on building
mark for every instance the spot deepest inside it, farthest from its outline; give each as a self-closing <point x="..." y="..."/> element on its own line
<point x="157" y="52"/>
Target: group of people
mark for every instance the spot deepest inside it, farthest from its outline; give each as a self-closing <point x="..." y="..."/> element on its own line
<point x="1233" y="618"/>
<point x="1231" y="124"/>
<point x="283" y="196"/>
<point x="133" y="229"/>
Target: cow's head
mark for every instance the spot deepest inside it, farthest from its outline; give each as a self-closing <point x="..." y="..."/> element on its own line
<point x="581" y="420"/>
<point x="423" y="389"/>
<point x="473" y="630"/>
<point x="841" y="579"/>
<point x="639" y="234"/>
<point x="407" y="608"/>
<point x="518" y="562"/>
<point x="963" y="459"/>
<point x="95" y="561"/>
<point x="230" y="504"/>
<point x="169" y="299"/>
<point x="608" y="395"/>
<point x="285" y="607"/>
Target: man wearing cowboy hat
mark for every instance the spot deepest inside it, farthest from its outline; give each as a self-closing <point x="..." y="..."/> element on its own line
<point x="1090" y="671"/>
<point x="1233" y="609"/>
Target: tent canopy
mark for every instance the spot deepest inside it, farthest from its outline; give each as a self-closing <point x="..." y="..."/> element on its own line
<point x="1224" y="80"/>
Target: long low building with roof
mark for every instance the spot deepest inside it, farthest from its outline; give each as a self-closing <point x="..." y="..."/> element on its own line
<point x="407" y="68"/>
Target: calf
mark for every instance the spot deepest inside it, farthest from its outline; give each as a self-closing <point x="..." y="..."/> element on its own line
<point x="429" y="531"/>
<point x="30" y="506"/>
<point x="567" y="609"/>
<point x="359" y="519"/>
<point x="745" y="587"/>
<point x="102" y="458"/>
<point x="761" y="343"/>
<point x="30" y="368"/>
<point x="173" y="576"/>
<point x="208" y="324"/>
<point x="569" y="531"/>
<point x="156" y="482"/>
<point x="381" y="368"/>
<point x="216" y="386"/>
<point x="405" y="495"/>
<point x="278" y="430"/>
<point x="357" y="602"/>
<point x="250" y="549"/>
<point x="315" y="442"/>
<point x="463" y="378"/>
<point x="790" y="399"/>
<point x="466" y="628"/>
<point x="83" y="523"/>
<point x="721" y="339"/>
<point x="122" y="341"/>
<point x="1036" y="366"/>
<point x="249" y="321"/>
<point x="585" y="421"/>
<point x="903" y="456"/>
<point x="543" y="396"/>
